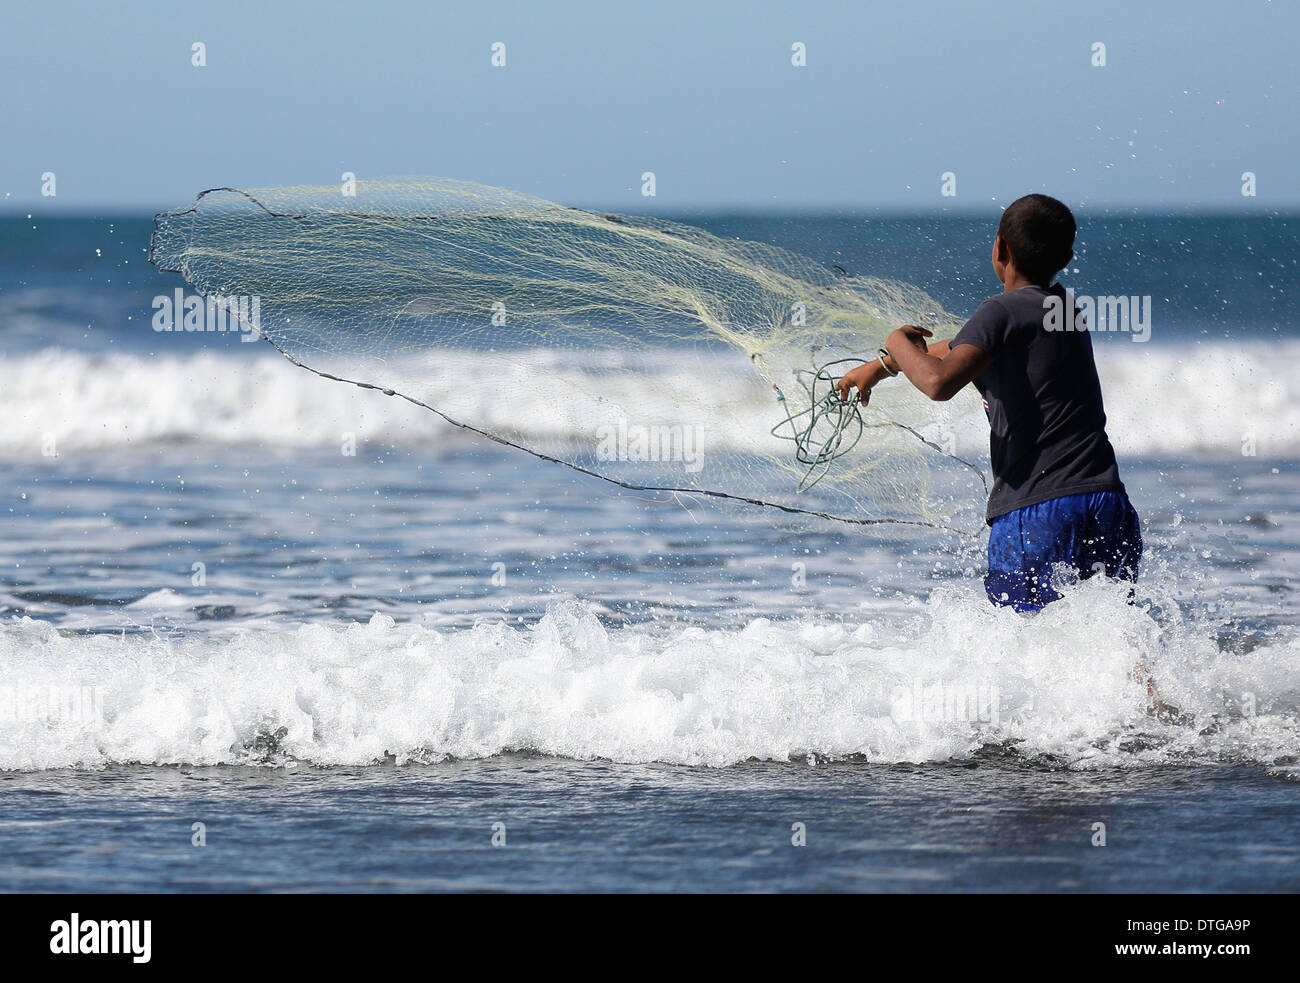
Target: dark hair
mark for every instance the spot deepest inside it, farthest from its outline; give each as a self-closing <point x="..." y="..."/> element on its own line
<point x="1039" y="231"/>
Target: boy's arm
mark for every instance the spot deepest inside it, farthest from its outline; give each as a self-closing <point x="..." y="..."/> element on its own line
<point x="941" y="371"/>
<point x="867" y="375"/>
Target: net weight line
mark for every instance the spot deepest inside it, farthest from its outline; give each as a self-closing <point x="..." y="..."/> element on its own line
<point x="670" y="489"/>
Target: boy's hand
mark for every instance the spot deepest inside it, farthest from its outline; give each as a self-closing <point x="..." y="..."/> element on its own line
<point x="910" y="334"/>
<point x="862" y="378"/>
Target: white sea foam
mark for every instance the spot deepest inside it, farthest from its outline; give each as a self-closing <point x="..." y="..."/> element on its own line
<point x="1209" y="398"/>
<point x="1057" y="685"/>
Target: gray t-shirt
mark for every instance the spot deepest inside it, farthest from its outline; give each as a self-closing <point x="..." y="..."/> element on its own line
<point x="1043" y="398"/>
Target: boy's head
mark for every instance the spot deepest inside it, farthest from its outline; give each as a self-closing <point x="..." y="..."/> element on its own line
<point x="1036" y="235"/>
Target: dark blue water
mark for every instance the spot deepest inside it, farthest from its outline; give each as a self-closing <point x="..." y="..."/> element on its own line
<point x="1209" y="277"/>
<point x="86" y="280"/>
<point x="982" y="826"/>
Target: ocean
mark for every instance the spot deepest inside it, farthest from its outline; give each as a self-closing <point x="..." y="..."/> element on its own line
<point x="233" y="658"/>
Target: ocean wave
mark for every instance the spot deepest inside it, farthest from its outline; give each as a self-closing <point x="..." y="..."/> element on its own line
<point x="1210" y="398"/>
<point x="957" y="677"/>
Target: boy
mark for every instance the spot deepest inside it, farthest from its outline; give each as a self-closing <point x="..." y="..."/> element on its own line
<point x="1056" y="497"/>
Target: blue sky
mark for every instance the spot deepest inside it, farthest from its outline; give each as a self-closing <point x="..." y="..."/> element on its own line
<point x="701" y="93"/>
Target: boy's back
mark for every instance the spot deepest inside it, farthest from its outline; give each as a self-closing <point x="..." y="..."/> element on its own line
<point x="1043" y="398"/>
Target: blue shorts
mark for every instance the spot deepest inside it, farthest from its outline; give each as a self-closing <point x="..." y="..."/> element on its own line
<point x="1092" y="533"/>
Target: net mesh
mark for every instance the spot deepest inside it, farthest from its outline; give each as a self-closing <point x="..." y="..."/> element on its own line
<point x="641" y="351"/>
